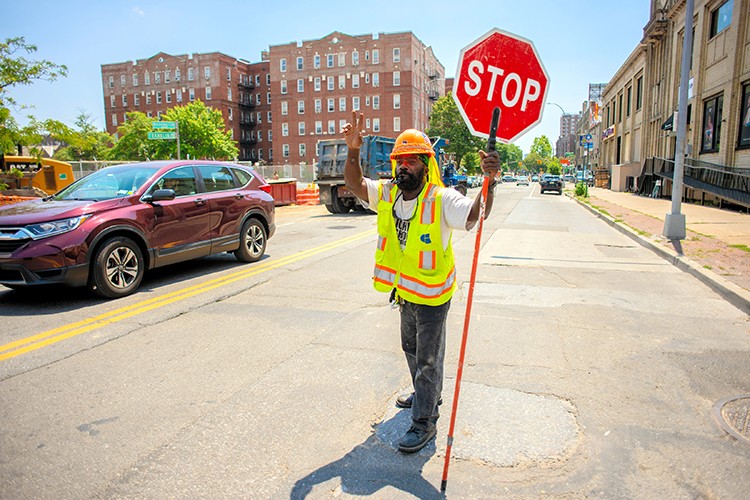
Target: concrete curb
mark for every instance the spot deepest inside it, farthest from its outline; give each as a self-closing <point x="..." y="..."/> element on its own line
<point x="735" y="295"/>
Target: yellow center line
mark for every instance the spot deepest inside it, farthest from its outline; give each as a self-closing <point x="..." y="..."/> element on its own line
<point x="34" y="342"/>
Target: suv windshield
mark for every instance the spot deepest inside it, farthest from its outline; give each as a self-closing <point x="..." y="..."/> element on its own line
<point x="107" y="183"/>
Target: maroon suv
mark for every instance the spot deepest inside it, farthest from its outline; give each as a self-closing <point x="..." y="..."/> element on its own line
<point x="106" y="229"/>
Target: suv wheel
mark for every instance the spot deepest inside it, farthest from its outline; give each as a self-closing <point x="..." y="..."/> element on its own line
<point x="117" y="269"/>
<point x="252" y="241"/>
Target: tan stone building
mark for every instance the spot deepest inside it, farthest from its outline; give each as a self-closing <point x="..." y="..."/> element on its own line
<point x="393" y="78"/>
<point x="641" y="99"/>
<point x="241" y="90"/>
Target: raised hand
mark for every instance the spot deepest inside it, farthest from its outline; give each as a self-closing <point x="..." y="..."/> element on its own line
<point x="354" y="131"/>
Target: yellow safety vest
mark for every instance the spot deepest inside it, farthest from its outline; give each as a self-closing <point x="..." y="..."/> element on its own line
<point x="422" y="273"/>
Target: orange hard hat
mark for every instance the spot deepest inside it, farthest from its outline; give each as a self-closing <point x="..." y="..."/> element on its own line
<point x="412" y="142"/>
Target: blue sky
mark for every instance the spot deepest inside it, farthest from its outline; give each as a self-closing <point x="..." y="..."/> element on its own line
<point x="579" y="41"/>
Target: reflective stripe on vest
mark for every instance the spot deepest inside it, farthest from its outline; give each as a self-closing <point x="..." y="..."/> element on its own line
<point x="427" y="260"/>
<point x="425" y="290"/>
<point x="384" y="275"/>
<point x="428" y="206"/>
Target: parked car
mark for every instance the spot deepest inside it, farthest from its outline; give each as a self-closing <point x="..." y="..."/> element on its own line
<point x="534" y="178"/>
<point x="569" y="178"/>
<point x="509" y="178"/>
<point x="106" y="229"/>
<point x="522" y="180"/>
<point x="552" y="183"/>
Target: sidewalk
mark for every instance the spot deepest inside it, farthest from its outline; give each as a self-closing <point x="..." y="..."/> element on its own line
<point x="716" y="249"/>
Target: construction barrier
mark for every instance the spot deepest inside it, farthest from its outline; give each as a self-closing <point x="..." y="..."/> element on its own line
<point x="309" y="195"/>
<point x="9" y="200"/>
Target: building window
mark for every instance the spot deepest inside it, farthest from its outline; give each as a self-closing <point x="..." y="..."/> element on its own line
<point x="318" y="106"/>
<point x="208" y="93"/>
<point x="268" y="117"/>
<point x="282" y="65"/>
<point x="157" y="77"/>
<point x="355" y="58"/>
<point x="355" y="103"/>
<point x="229" y="94"/>
<point x="122" y="80"/>
<point x="191" y="95"/>
<point x="628" y="99"/>
<point x="167" y="76"/>
<point x="342" y="103"/>
<point x="330" y="83"/>
<point x="114" y="119"/>
<point x="301" y="128"/>
<point x="396" y="124"/>
<point x="124" y="100"/>
<point x="300" y="63"/>
<point x="147" y="78"/>
<point x="259" y="117"/>
<point x="112" y="101"/>
<point x="367" y="101"/>
<point x="136" y="99"/>
<point x="191" y="74"/>
<point x="230" y="115"/>
<point x="376" y="79"/>
<point x="711" y="131"/>
<point x="284" y="108"/>
<point x="331" y="126"/>
<point x="619" y="107"/>
<point x="300" y="84"/>
<point x="396" y="55"/>
<point x="283" y="86"/>
<point x="376" y="124"/>
<point x="367" y="123"/>
<point x="285" y="130"/>
<point x="148" y="99"/>
<point x="207" y="72"/>
<point x="355" y="81"/>
<point x="257" y="99"/>
<point x="177" y="74"/>
<point x="318" y="127"/>
<point x="268" y="98"/>
<point x="316" y="61"/>
<point x="721" y="18"/>
<point x="376" y="56"/>
<point x="302" y="149"/>
<point x="168" y="95"/>
<point x="331" y="105"/>
<point x="376" y="102"/>
<point x="158" y="97"/>
<point x="341" y="124"/>
<point x="396" y="101"/>
<point x="639" y="93"/>
<point x="135" y="79"/>
<point x="342" y="59"/>
<point x="744" y="135"/>
<point x="396" y="78"/>
<point x="285" y="150"/>
<point x="111" y="82"/>
<point x="317" y="84"/>
<point x="342" y="82"/>
<point x="329" y="60"/>
<point x="300" y="107"/>
<point x="367" y="55"/>
<point x="179" y="95"/>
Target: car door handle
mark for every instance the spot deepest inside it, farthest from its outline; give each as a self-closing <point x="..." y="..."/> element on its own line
<point x="239" y="196"/>
<point x="199" y="202"/>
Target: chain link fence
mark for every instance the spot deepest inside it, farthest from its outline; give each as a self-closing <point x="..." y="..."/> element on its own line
<point x="304" y="174"/>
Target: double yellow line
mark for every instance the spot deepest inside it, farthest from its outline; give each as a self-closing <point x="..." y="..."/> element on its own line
<point x="34" y="342"/>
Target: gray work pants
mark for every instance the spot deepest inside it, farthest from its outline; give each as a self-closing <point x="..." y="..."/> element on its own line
<point x="423" y="342"/>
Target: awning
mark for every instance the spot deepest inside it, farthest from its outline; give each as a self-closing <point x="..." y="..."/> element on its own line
<point x="668" y="125"/>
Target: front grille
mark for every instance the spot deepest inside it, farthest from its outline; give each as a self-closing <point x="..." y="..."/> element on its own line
<point x="9" y="246"/>
<point x="9" y="275"/>
<point x="12" y="238"/>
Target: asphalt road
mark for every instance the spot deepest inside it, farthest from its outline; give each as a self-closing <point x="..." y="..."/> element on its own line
<point x="592" y="369"/>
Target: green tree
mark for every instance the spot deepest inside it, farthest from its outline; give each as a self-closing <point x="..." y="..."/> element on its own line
<point x="446" y="121"/>
<point x="202" y="133"/>
<point x="132" y="139"/>
<point x="15" y="70"/>
<point x="85" y="142"/>
<point x="542" y="147"/>
<point x="510" y="155"/>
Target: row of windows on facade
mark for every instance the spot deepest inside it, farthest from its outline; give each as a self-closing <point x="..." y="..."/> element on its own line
<point x="370" y="124"/>
<point x="331" y="104"/>
<point x="245" y="79"/>
<point x="330" y="58"/>
<point x="244" y="98"/>
<point x="712" y="119"/>
<point x="331" y="82"/>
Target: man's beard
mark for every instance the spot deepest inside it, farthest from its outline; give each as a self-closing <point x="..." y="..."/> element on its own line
<point x="408" y="181"/>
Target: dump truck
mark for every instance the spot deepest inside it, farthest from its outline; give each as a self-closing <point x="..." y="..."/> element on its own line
<point x="374" y="159"/>
<point x="31" y="176"/>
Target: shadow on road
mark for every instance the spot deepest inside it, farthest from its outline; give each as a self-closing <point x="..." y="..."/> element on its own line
<point x="374" y="465"/>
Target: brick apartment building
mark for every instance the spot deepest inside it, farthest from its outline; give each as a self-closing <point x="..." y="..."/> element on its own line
<point x="239" y="89"/>
<point x="394" y="79"/>
<point x="309" y="88"/>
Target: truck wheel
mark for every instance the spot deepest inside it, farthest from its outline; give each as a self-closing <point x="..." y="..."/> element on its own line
<point x="117" y="269"/>
<point x="338" y="204"/>
<point x="331" y="208"/>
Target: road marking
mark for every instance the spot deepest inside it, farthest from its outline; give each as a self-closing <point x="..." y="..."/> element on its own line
<point x="34" y="342"/>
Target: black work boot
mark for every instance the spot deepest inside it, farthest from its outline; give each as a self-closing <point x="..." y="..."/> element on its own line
<point x="405" y="401"/>
<point x="415" y="439"/>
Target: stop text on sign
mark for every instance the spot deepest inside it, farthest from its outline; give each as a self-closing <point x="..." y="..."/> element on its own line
<point x="512" y="89"/>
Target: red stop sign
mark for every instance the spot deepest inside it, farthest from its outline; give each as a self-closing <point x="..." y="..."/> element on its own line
<point x="502" y="70"/>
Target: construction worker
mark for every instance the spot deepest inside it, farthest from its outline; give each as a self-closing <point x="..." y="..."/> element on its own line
<point x="414" y="257"/>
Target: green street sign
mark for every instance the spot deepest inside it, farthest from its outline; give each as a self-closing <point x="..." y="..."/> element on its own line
<point x="163" y="125"/>
<point x="162" y="135"/>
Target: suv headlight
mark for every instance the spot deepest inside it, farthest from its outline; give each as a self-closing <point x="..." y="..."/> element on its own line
<point x="52" y="228"/>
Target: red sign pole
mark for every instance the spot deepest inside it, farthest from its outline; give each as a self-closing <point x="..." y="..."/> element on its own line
<point x="469" y="301"/>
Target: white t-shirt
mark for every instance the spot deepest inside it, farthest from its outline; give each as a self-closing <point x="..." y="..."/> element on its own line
<point x="456" y="208"/>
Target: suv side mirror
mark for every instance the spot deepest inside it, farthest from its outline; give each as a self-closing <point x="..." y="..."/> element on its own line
<point x="159" y="195"/>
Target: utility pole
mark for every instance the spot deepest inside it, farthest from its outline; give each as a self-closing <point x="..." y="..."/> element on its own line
<point x="674" y="224"/>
